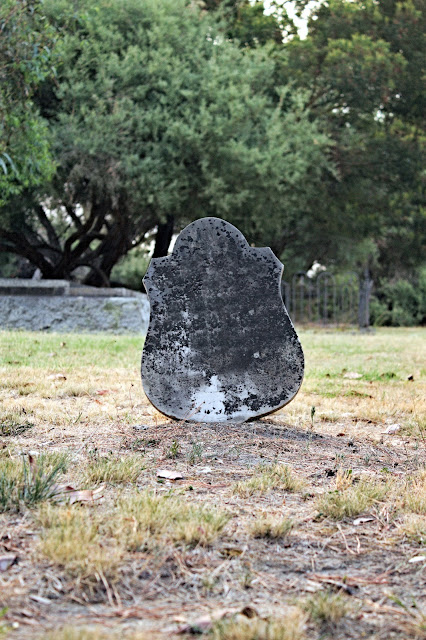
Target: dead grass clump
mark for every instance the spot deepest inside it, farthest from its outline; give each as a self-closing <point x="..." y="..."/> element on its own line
<point x="351" y="499"/>
<point x="25" y="483"/>
<point x="290" y="627"/>
<point x="271" y="527"/>
<point x="72" y="538"/>
<point x="71" y="390"/>
<point x="13" y="424"/>
<point x="114" y="470"/>
<point x="417" y="627"/>
<point x="414" y="496"/>
<point x="144" y="520"/>
<point x="265" y="478"/>
<point x="414" y="527"/>
<point x="326" y="607"/>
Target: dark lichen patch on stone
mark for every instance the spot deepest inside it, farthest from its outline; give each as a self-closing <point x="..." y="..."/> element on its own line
<point x="220" y="345"/>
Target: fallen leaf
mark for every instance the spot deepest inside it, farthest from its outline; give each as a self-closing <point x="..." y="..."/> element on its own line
<point x="417" y="559"/>
<point x="339" y="435"/>
<point x="26" y="613"/>
<point x="362" y="521"/>
<point x="57" y="376"/>
<point x="102" y="392"/>
<point x="7" y="561"/>
<point x="205" y="470"/>
<point x="67" y="492"/>
<point x="40" y="599"/>
<point x="393" y="428"/>
<point x="352" y="375"/>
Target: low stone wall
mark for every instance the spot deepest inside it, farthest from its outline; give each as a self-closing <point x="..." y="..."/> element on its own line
<point x="58" y="305"/>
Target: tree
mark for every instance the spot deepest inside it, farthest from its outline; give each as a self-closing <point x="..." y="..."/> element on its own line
<point x="362" y="64"/>
<point x="26" y="40"/>
<point x="157" y="118"/>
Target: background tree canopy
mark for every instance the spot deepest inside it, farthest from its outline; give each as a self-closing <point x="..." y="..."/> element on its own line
<point x="26" y="39"/>
<point x="156" y="116"/>
<point x="151" y="113"/>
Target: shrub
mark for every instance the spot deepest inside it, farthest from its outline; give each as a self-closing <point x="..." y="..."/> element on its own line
<point x="400" y="303"/>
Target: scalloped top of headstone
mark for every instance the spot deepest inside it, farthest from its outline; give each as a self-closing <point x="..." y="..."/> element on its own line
<point x="220" y="346"/>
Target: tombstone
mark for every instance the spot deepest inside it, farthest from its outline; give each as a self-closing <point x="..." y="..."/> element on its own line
<point x="220" y="345"/>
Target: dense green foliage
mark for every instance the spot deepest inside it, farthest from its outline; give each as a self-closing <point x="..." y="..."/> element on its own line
<point x="161" y="111"/>
<point x="363" y="65"/>
<point x="154" y="113"/>
<point x="400" y="303"/>
<point x="26" y="39"/>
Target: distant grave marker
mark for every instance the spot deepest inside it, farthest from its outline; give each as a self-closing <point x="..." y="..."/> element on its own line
<point x="220" y="345"/>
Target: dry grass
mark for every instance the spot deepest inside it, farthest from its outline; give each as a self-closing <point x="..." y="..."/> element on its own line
<point x="114" y="470"/>
<point x="146" y="520"/>
<point x="289" y="627"/>
<point x="14" y="423"/>
<point x="173" y="549"/>
<point x="327" y="607"/>
<point x="417" y="627"/>
<point x="268" y="477"/>
<point x="71" y="633"/>
<point x="271" y="527"/>
<point x="137" y="522"/>
<point x="74" y="539"/>
<point x="414" y="494"/>
<point x="413" y="527"/>
<point x="352" y="499"/>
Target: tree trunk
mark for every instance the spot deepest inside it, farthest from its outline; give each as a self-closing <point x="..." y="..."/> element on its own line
<point x="113" y="247"/>
<point x="163" y="237"/>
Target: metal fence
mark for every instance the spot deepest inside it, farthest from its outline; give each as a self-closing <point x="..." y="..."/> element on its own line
<point x="328" y="299"/>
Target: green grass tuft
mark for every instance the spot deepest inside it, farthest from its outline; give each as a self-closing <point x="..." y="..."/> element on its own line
<point x="25" y="483"/>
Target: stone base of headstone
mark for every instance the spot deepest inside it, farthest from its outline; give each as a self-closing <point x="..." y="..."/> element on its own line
<point x="58" y="305"/>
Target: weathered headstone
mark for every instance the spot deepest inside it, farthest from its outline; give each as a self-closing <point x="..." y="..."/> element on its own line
<point x="220" y="345"/>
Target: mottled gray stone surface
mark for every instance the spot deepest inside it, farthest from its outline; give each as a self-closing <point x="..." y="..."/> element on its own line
<point x="220" y="345"/>
<point x="73" y="313"/>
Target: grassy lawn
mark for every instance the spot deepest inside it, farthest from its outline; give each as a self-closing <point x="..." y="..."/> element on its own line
<point x="308" y="523"/>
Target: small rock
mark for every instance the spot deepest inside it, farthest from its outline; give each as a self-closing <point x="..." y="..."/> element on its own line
<point x="169" y="475"/>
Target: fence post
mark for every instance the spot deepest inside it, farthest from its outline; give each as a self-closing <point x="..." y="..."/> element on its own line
<point x="364" y="300"/>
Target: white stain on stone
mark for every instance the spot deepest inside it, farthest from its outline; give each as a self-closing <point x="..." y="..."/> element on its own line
<point x="209" y="400"/>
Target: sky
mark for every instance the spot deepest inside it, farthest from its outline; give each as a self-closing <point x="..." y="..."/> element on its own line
<point x="301" y="23"/>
